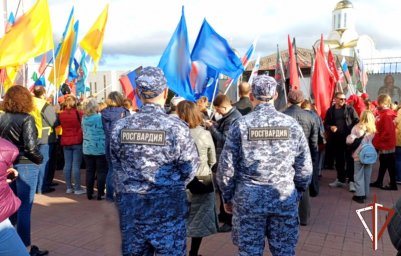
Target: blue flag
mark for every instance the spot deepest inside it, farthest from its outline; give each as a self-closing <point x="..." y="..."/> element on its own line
<point x="73" y="65"/>
<point x="215" y="52"/>
<point x="204" y="79"/>
<point x="82" y="74"/>
<point x="176" y="61"/>
<point x="40" y="81"/>
<point x="82" y="66"/>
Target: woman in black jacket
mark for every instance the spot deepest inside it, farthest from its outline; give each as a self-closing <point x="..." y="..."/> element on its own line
<point x="18" y="127"/>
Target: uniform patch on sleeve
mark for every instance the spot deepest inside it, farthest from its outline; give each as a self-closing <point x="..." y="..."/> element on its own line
<point x="268" y="133"/>
<point x="147" y="137"/>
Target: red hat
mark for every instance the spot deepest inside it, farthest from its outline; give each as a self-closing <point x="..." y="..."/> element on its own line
<point x="365" y="96"/>
<point x="352" y="99"/>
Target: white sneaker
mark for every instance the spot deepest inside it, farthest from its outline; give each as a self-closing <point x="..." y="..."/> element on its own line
<point x="352" y="186"/>
<point x="80" y="191"/>
<point x="337" y="184"/>
<point x="69" y="191"/>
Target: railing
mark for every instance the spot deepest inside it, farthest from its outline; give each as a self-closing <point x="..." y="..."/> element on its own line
<point x="390" y="65"/>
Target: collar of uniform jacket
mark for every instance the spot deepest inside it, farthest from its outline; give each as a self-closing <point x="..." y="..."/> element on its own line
<point x="264" y="106"/>
<point x="151" y="107"/>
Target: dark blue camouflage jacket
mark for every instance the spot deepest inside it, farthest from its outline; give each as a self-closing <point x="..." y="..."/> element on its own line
<point x="265" y="148"/>
<point x="152" y="153"/>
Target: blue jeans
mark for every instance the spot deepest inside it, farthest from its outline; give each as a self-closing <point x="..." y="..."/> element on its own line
<point x="109" y="182"/>
<point x="72" y="162"/>
<point x="10" y="242"/>
<point x="362" y="175"/>
<point x="398" y="164"/>
<point x="45" y="150"/>
<point x="25" y="187"/>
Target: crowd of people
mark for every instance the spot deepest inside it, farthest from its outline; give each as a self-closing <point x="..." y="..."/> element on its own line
<point x="163" y="170"/>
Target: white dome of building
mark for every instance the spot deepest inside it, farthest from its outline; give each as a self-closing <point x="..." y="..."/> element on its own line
<point x="344" y="38"/>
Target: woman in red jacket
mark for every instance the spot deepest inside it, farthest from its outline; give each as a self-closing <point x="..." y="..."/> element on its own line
<point x="384" y="142"/>
<point x="71" y="140"/>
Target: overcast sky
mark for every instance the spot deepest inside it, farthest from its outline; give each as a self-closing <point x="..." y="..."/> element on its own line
<point x="137" y="32"/>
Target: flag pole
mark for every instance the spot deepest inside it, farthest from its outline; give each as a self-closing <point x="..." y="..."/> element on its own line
<point x="16" y="12"/>
<point x="96" y="93"/>
<point x="280" y="61"/>
<point x="44" y="70"/>
<point x="5" y="14"/>
<point x="216" y="84"/>
<point x="228" y="87"/>
<point x="54" y="79"/>
<point x="213" y="96"/>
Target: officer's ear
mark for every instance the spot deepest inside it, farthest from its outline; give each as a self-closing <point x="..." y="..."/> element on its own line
<point x="275" y="96"/>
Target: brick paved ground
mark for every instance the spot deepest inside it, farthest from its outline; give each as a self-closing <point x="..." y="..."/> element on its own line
<point x="72" y="225"/>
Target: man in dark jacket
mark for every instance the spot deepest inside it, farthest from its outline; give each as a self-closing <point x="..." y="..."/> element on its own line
<point x="244" y="105"/>
<point x="311" y="130"/>
<point x="219" y="131"/>
<point x="340" y="118"/>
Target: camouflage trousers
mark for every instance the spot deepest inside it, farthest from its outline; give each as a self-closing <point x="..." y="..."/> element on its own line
<point x="256" y="217"/>
<point x="152" y="225"/>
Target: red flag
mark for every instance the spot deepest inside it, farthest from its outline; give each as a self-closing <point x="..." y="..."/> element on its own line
<point x="128" y="89"/>
<point x="323" y="85"/>
<point x="42" y="65"/>
<point x="294" y="79"/>
<point x="332" y="66"/>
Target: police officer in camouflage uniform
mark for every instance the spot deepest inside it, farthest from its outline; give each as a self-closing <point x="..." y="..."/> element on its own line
<point x="264" y="168"/>
<point x="154" y="158"/>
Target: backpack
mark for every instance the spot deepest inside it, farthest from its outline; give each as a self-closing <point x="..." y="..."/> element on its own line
<point x="368" y="154"/>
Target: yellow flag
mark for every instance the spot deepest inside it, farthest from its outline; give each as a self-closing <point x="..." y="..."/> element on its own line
<point x="11" y="75"/>
<point x="30" y="36"/>
<point x="61" y="63"/>
<point x="92" y="42"/>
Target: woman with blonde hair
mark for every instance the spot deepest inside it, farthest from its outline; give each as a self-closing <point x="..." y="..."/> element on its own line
<point x="202" y="219"/>
<point x="385" y="142"/>
<point x="366" y="130"/>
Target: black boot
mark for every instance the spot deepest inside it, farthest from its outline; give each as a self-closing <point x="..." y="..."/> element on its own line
<point x="36" y="252"/>
<point x="376" y="184"/>
<point x="359" y="199"/>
